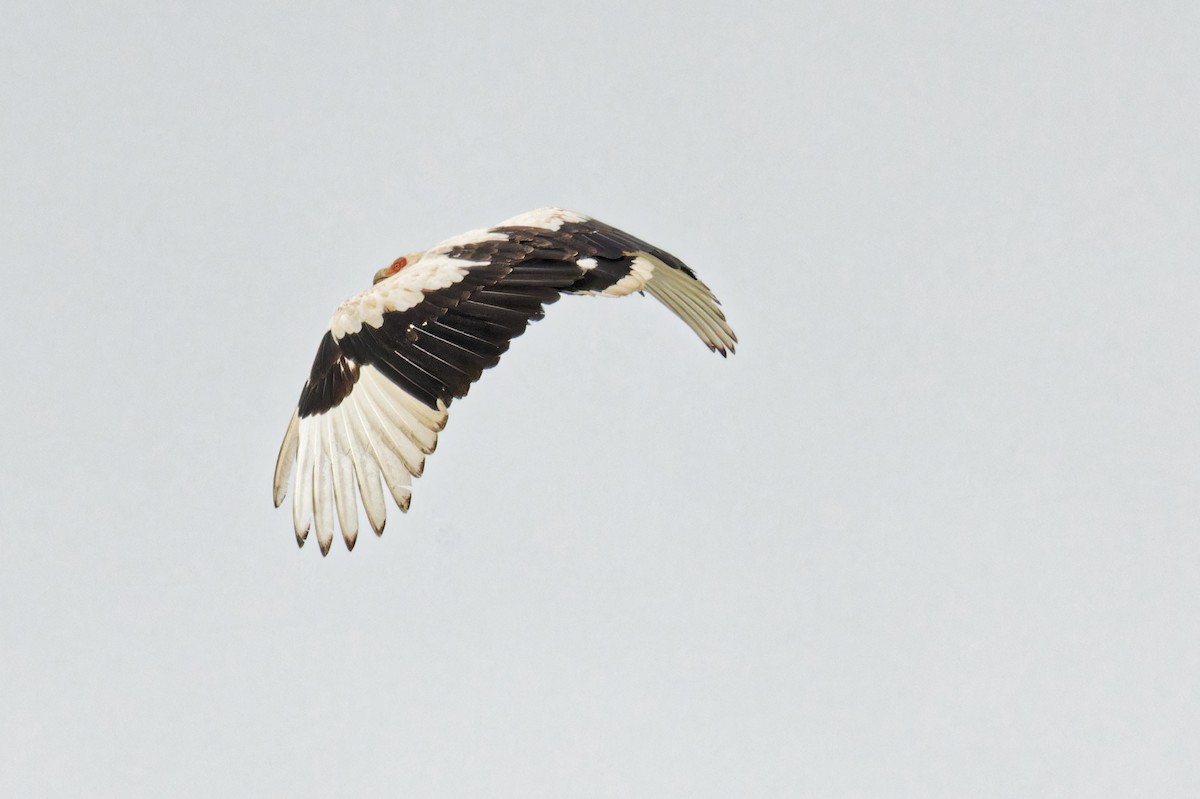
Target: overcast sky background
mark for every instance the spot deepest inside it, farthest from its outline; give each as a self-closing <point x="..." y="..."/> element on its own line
<point x="933" y="531"/>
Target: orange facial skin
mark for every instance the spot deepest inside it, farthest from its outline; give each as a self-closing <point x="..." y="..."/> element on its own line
<point x="396" y="266"/>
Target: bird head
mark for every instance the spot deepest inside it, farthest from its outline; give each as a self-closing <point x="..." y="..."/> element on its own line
<point x="397" y="265"/>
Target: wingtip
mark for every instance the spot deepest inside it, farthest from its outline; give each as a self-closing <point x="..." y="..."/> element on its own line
<point x="286" y="460"/>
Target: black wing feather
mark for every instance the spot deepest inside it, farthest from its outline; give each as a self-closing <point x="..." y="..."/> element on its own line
<point x="439" y="347"/>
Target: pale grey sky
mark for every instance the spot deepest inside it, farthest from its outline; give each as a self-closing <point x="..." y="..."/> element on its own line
<point x="933" y="531"/>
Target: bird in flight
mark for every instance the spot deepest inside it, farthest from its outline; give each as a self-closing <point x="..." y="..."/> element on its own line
<point x="398" y="353"/>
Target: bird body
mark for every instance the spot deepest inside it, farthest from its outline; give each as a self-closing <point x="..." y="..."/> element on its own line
<point x="397" y="354"/>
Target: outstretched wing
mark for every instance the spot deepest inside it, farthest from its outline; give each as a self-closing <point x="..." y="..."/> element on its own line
<point x="396" y="355"/>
